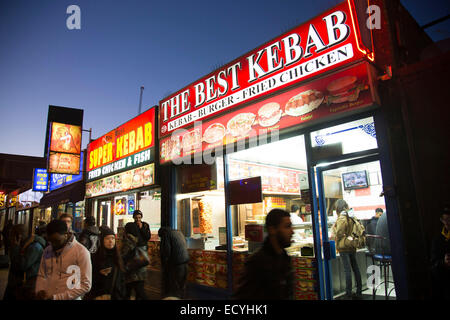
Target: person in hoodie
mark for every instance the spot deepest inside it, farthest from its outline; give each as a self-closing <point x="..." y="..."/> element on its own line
<point x="65" y="272"/>
<point x="133" y="279"/>
<point x="90" y="235"/>
<point x="174" y="259"/>
<point x="107" y="270"/>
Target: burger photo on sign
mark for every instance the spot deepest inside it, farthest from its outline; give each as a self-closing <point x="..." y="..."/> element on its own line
<point x="344" y="89"/>
<point x="304" y="103"/>
<point x="269" y="114"/>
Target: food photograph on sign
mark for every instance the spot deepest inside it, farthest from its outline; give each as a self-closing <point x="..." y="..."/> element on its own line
<point x="64" y="163"/>
<point x="342" y="91"/>
<point x="132" y="179"/>
<point x="65" y="138"/>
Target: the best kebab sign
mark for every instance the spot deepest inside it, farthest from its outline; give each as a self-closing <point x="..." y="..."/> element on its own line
<point x="323" y="43"/>
<point x="342" y="91"/>
<point x="128" y="146"/>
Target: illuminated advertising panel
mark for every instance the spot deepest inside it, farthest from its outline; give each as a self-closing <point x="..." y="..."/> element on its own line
<point x="40" y="180"/>
<point x="64" y="163"/>
<point x="326" y="42"/>
<point x="60" y="180"/>
<point x="65" y="138"/>
<point x="129" y="146"/>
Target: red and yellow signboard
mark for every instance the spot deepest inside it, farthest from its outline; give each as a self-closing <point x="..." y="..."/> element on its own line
<point x="326" y="42"/>
<point x="129" y="139"/>
<point x="340" y="92"/>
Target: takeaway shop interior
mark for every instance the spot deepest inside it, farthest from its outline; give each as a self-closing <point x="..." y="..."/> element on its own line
<point x="282" y="167"/>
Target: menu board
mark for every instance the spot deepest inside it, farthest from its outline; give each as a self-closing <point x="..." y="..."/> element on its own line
<point x="273" y="179"/>
<point x="132" y="179"/>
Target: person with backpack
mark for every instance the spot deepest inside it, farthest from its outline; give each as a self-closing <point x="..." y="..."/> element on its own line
<point x="349" y="236"/>
<point x="90" y="235"/>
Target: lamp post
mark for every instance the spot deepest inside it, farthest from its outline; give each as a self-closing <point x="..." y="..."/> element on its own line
<point x="140" y="100"/>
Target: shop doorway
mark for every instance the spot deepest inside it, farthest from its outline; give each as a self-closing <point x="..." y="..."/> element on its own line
<point x="104" y="213"/>
<point x="359" y="183"/>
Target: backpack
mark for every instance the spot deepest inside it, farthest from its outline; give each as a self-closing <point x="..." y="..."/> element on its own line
<point x="358" y="233"/>
<point x="94" y="243"/>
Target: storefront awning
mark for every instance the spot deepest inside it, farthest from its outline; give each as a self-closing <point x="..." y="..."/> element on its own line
<point x="72" y="193"/>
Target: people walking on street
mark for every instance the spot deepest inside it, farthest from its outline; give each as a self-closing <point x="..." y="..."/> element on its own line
<point x="90" y="235"/>
<point x="174" y="259"/>
<point x="16" y="237"/>
<point x="107" y="270"/>
<point x="342" y="230"/>
<point x="135" y="261"/>
<point x="68" y="219"/>
<point x="440" y="259"/>
<point x="65" y="272"/>
<point x="6" y="232"/>
<point x="268" y="273"/>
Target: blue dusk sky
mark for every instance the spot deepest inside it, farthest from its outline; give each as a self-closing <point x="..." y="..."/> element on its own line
<point x="123" y="45"/>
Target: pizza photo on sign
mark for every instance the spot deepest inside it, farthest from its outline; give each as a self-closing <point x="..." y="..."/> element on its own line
<point x="65" y="138"/>
<point x="344" y="89"/>
<point x="241" y="124"/>
<point x="214" y="133"/>
<point x="269" y="114"/>
<point x="304" y="103"/>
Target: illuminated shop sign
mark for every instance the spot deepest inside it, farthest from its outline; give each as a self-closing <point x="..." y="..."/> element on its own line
<point x="40" y="180"/>
<point x="128" y="146"/>
<point x="61" y="180"/>
<point x="342" y="91"/>
<point x="64" y="148"/>
<point x="328" y="41"/>
<point x="131" y="179"/>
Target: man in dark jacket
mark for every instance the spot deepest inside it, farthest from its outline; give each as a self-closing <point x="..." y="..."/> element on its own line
<point x="383" y="245"/>
<point x="372" y="229"/>
<point x="268" y="273"/>
<point x="440" y="259"/>
<point x="144" y="229"/>
<point x="174" y="259"/>
<point x="90" y="236"/>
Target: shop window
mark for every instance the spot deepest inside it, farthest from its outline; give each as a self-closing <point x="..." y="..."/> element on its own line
<point x="284" y="183"/>
<point x="201" y="205"/>
<point x="150" y="205"/>
<point x="345" y="138"/>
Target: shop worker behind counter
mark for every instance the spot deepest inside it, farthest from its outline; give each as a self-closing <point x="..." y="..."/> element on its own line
<point x="268" y="273"/>
<point x="62" y="259"/>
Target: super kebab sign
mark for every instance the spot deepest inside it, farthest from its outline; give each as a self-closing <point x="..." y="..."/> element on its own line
<point x="126" y="147"/>
<point x="328" y="41"/>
